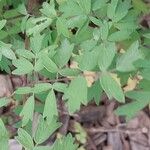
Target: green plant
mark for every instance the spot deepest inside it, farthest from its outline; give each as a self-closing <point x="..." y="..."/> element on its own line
<point x="101" y="36"/>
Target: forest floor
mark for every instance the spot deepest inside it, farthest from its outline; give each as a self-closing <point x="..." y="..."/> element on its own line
<point x="94" y="127"/>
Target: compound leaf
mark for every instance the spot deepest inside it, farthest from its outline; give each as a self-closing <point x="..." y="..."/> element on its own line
<point x="111" y="87"/>
<point x="76" y="94"/>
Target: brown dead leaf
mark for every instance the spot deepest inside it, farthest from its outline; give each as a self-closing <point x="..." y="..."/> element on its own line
<point x="90" y="77"/>
<point x="122" y="51"/>
<point x="131" y="84"/>
<point x="74" y="65"/>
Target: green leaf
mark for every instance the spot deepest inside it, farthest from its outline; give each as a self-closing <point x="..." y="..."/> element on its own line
<point x="24" y="139"/>
<point x="15" y="29"/>
<point x="8" y="53"/>
<point x="50" y="108"/>
<point x="125" y="62"/>
<point x="99" y="4"/>
<point x="23" y="90"/>
<point x="130" y="26"/>
<point x="66" y="142"/>
<point x="104" y="30"/>
<point x="69" y="72"/>
<point x="119" y="14"/>
<point x="112" y="8"/>
<point x="5" y="65"/>
<point x="106" y="55"/>
<point x="36" y="43"/>
<point x="23" y="66"/>
<point x="62" y="28"/>
<point x="23" y="23"/>
<point x="145" y="73"/>
<point x="70" y="8"/>
<point x="88" y="45"/>
<point x="41" y="87"/>
<point x="6" y="50"/>
<point x="81" y="133"/>
<point x="3" y="34"/>
<point x="3" y="137"/>
<point x="39" y="27"/>
<point x="131" y="109"/>
<point x="138" y="95"/>
<point x="42" y="148"/>
<point x="142" y="63"/>
<point x="76" y="94"/>
<point x="49" y="64"/>
<point x="1" y="56"/>
<point x="96" y="21"/>
<point x="38" y="65"/>
<point x="25" y="53"/>
<point x="2" y="24"/>
<point x="111" y="87"/>
<point x="76" y="21"/>
<point x="95" y="92"/>
<point x="4" y="101"/>
<point x="84" y="33"/>
<point x="61" y="87"/>
<point x="144" y="85"/>
<point x="97" y="34"/>
<point x="85" y="5"/>
<point x="119" y="36"/>
<point x="64" y="53"/>
<point x="147" y="35"/>
<point x="27" y="111"/>
<point x="140" y="5"/>
<point x="45" y="130"/>
<point x="49" y="9"/>
<point x="89" y="60"/>
<point x="22" y="9"/>
<point x="11" y="13"/>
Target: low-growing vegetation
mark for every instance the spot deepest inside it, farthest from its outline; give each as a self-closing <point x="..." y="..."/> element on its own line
<point x="62" y="56"/>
